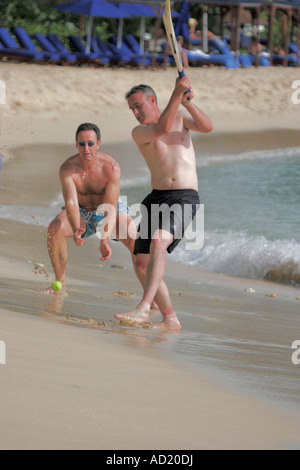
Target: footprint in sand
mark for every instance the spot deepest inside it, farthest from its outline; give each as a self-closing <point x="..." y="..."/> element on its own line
<point x="40" y="269"/>
<point x="122" y="293"/>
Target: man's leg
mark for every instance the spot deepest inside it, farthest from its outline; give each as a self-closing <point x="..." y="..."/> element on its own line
<point x="155" y="287"/>
<point x="126" y="234"/>
<point x="58" y="231"/>
<point x="162" y="297"/>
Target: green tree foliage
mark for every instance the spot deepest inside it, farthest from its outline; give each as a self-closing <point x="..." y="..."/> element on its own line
<point x="39" y="16"/>
<point x="35" y="18"/>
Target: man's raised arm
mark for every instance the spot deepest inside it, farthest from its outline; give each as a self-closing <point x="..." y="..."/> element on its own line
<point x="196" y="120"/>
<point x="146" y="133"/>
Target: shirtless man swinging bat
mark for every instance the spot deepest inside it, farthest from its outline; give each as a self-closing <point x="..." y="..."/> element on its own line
<point x="164" y="141"/>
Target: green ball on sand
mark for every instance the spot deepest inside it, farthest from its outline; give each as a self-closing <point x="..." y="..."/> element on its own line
<point x="56" y="286"/>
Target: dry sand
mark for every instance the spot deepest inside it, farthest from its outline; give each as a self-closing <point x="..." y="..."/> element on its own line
<point x="66" y="387"/>
<point x="70" y="383"/>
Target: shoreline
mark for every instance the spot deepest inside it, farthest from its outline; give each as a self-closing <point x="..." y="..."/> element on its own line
<point x="126" y="154"/>
<point x="239" y="144"/>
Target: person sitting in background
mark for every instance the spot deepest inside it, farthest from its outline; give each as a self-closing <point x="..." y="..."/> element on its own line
<point x="157" y="42"/>
<point x="278" y="50"/>
<point x="193" y="24"/>
<point x="183" y="51"/>
<point x="255" y="48"/>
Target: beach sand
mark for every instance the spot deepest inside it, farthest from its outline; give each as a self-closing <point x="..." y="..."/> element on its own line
<point x="74" y="378"/>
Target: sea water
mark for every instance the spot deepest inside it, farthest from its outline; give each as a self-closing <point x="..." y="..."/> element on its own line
<point x="252" y="221"/>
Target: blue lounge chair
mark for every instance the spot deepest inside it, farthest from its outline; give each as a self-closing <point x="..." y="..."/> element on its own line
<point x="195" y="42"/>
<point x="47" y="46"/>
<point x="244" y="60"/>
<point x="110" y="50"/>
<point x="102" y="52"/>
<point x="134" y="46"/>
<point x="10" y="48"/>
<point x="212" y="59"/>
<point x="80" y="57"/>
<point x="126" y="53"/>
<point x="293" y="49"/>
<point x="130" y="51"/>
<point x="278" y="59"/>
<point x="28" y="44"/>
<point x="105" y="50"/>
<point x="70" y="56"/>
<point x="13" y="53"/>
<point x="79" y="48"/>
<point x="222" y="54"/>
<point x="220" y="46"/>
<point x="263" y="61"/>
<point x="100" y="45"/>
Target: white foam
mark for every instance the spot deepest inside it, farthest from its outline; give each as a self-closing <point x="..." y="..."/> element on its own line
<point x="138" y="181"/>
<point x="29" y="215"/>
<point x="58" y="201"/>
<point x="210" y="160"/>
<point x="242" y="255"/>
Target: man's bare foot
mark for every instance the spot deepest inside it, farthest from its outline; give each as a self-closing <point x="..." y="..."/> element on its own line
<point x="170" y="323"/>
<point x="139" y="315"/>
<point x="50" y="291"/>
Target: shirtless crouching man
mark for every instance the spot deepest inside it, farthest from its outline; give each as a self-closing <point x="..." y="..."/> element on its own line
<point x="164" y="141"/>
<point x="90" y="181"/>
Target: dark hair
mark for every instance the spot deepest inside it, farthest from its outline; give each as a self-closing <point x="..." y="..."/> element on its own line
<point x="146" y="89"/>
<point x="89" y="127"/>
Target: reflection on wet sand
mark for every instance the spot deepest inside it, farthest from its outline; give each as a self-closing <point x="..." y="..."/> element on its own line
<point x="138" y="336"/>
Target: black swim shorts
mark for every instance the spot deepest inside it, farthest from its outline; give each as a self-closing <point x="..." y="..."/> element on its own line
<point x="169" y="210"/>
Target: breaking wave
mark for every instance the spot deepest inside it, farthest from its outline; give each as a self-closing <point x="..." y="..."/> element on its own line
<point x="241" y="255"/>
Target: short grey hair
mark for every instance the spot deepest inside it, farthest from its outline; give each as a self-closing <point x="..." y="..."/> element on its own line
<point x="145" y="89"/>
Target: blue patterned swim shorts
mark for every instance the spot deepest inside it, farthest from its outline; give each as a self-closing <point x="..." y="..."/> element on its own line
<point x="93" y="219"/>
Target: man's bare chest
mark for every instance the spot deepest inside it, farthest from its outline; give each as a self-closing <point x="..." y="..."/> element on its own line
<point x="90" y="185"/>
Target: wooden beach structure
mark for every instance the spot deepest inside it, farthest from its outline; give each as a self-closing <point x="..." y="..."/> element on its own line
<point x="289" y="9"/>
